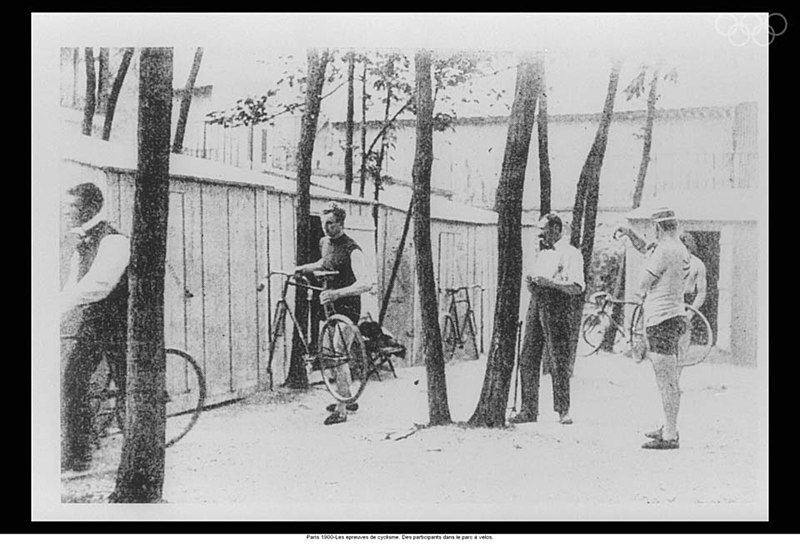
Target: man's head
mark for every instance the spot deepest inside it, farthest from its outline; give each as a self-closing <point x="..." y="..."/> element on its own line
<point x="82" y="202"/>
<point x="333" y="219"/>
<point x="688" y="240"/>
<point x="550" y="226"/>
<point x="665" y="221"/>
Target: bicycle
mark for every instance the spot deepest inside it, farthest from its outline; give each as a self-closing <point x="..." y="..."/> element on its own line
<point x="185" y="397"/>
<point x="455" y="333"/>
<point x="341" y="347"/>
<point x="693" y="349"/>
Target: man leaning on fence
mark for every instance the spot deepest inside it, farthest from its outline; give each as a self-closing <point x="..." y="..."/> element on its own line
<point x="94" y="317"/>
<point x="557" y="276"/>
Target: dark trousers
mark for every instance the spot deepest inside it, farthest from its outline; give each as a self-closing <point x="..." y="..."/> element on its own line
<point x="547" y="328"/>
<point x="84" y="344"/>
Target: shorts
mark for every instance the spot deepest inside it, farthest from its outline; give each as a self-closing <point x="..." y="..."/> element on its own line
<point x="663" y="337"/>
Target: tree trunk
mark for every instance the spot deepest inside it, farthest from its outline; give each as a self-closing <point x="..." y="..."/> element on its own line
<point x="584" y="214"/>
<point x="115" y="89"/>
<point x="297" y="377"/>
<point x="91" y="85"/>
<point x="363" y="172"/>
<point x="491" y="408"/>
<point x="348" y="153"/>
<point x="103" y="81"/>
<point x="438" y="407"/>
<point x="545" y="184"/>
<point x="648" y="140"/>
<point x="186" y="102"/>
<point x="140" y="477"/>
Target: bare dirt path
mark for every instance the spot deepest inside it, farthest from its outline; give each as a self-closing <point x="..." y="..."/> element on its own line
<point x="271" y="457"/>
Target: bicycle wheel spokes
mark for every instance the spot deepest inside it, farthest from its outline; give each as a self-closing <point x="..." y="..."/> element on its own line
<point x="449" y="337"/>
<point x="593" y="330"/>
<point x="695" y="344"/>
<point x="342" y="359"/>
<point x="186" y="394"/>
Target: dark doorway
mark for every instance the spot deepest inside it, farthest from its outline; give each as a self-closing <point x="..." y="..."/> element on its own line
<point x="708" y="252"/>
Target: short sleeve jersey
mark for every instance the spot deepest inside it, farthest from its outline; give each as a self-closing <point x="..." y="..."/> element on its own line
<point x="669" y="264"/>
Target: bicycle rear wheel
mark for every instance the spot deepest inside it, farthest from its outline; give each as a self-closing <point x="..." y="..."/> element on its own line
<point x="342" y="359"/>
<point x="449" y="337"/>
<point x="593" y="330"/>
<point x="695" y="344"/>
<point x="186" y="394"/>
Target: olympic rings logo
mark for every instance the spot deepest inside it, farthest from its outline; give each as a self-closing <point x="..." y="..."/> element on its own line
<point x="761" y="29"/>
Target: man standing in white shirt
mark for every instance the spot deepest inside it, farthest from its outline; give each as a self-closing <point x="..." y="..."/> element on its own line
<point x="94" y="317"/>
<point x="557" y="275"/>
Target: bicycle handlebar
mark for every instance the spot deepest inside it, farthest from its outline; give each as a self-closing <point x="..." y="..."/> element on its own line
<point x="291" y="275"/>
<point x="464" y="287"/>
<point x="600" y="297"/>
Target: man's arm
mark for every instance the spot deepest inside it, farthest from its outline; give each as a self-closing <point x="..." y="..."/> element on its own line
<point x="573" y="284"/>
<point x="638" y="242"/>
<point x="365" y="280"/>
<point x="311" y="267"/>
<point x="112" y="258"/>
<point x="700" y="298"/>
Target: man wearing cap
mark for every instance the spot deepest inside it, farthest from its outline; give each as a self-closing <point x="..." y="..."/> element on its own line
<point x="557" y="275"/>
<point x="94" y="317"/>
<point x="661" y="288"/>
<point x="342" y="254"/>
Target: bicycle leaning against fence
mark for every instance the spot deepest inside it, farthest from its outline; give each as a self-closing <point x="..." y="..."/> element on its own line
<point x="693" y="348"/>
<point x="457" y="332"/>
<point x="185" y="397"/>
<point x="339" y="343"/>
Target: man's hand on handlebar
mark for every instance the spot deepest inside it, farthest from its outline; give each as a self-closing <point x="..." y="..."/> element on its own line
<point x="328" y="296"/>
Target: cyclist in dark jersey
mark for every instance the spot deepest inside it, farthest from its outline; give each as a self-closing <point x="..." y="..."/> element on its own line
<point x="342" y="254"/>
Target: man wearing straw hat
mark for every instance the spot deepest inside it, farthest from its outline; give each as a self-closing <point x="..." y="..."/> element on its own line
<point x="661" y="288"/>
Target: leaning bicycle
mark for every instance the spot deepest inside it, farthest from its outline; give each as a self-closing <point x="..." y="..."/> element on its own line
<point x="337" y="351"/>
<point x="694" y="346"/>
<point x="459" y="331"/>
<point x="184" y="397"/>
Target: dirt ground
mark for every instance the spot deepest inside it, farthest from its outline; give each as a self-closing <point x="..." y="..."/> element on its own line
<point x="270" y="457"/>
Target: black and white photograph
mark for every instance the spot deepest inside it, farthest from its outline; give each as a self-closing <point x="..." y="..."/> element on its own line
<point x="411" y="267"/>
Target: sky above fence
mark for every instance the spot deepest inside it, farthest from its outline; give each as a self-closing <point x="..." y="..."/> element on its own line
<point x="717" y="55"/>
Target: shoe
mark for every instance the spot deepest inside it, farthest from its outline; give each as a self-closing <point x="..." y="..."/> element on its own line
<point x="523" y="418"/>
<point x="335" y="418"/>
<point x="352" y="407"/>
<point x="656" y="434"/>
<point x="662" y="444"/>
<point x="564" y="419"/>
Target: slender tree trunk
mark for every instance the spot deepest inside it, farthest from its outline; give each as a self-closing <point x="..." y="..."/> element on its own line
<point x="423" y="160"/>
<point x="91" y="85"/>
<point x="103" y="81"/>
<point x="186" y="102"/>
<point x="491" y="408"/>
<point x="363" y="172"/>
<point x="115" y="89"/>
<point x="297" y="377"/>
<point x="544" y="155"/>
<point x="140" y="477"/>
<point x="396" y="266"/>
<point x="584" y="215"/>
<point x="348" y="153"/>
<point x="648" y="140"/>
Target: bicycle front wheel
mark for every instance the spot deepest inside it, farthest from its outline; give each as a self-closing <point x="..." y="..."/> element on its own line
<point x="186" y="394"/>
<point x="593" y="330"/>
<point x="449" y="337"/>
<point x="342" y="359"/>
<point x="695" y="344"/>
<point x="470" y="334"/>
